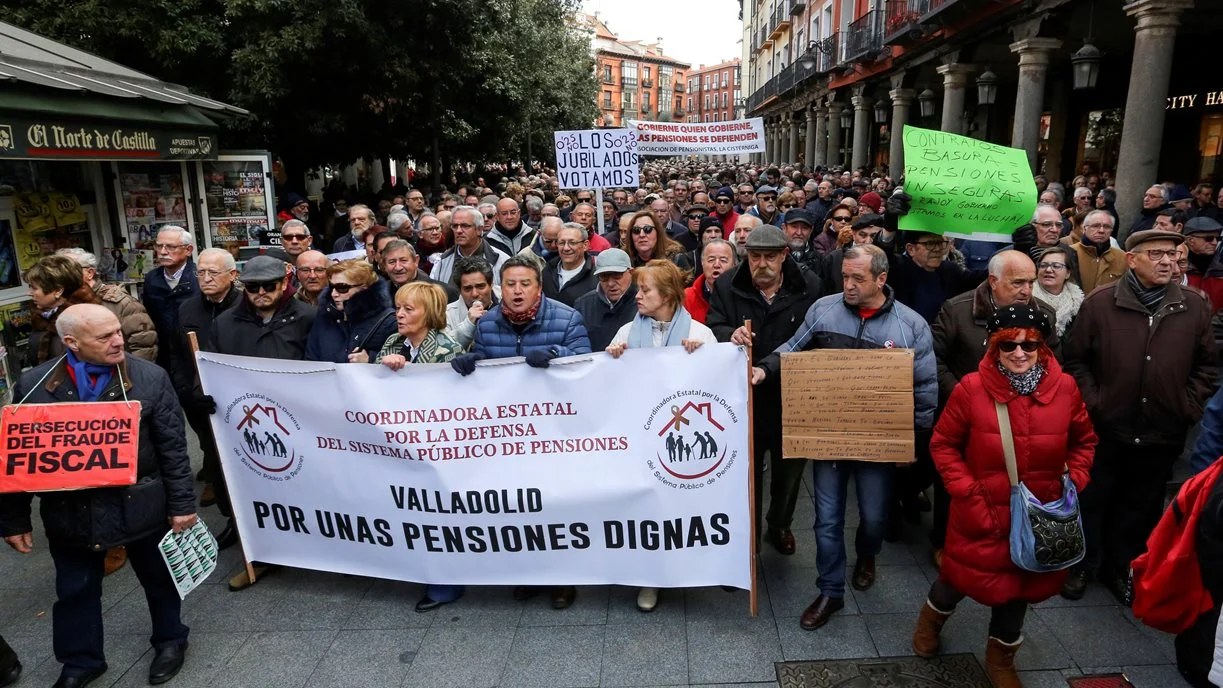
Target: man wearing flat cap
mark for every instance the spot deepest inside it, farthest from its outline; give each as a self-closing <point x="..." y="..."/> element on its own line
<point x="772" y="291"/>
<point x="1205" y="270"/>
<point x="1142" y="351"/>
<point x="797" y="224"/>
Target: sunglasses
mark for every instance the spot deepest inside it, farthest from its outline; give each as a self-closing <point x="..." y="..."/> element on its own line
<point x="720" y="201"/>
<point x="766" y="198"/>
<point x="842" y="218"/>
<point x="644" y="229"/>
<point x="341" y="287"/>
<point x="1028" y="347"/>
<point x="256" y="287"/>
<point x="788" y="206"/>
<point x="696" y="216"/>
<point x="293" y="237"/>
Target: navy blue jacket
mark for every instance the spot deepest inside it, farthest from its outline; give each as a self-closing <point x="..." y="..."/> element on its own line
<point x="163" y="303"/>
<point x="555" y="326"/>
<point x="602" y="319"/>
<point x="366" y="322"/>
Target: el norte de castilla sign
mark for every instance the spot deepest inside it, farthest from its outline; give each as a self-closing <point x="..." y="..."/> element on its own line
<point x="24" y="138"/>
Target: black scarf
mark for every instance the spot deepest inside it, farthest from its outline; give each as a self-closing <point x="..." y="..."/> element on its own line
<point x="1150" y="298"/>
<point x="1201" y="261"/>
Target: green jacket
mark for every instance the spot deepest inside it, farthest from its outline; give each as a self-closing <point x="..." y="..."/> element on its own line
<point x="435" y="348"/>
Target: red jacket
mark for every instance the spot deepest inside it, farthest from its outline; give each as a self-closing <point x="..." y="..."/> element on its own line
<point x="1051" y="430"/>
<point x="695" y="301"/>
<point x="728" y="222"/>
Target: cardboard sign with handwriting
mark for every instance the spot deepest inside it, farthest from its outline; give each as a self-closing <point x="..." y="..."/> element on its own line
<point x="847" y="404"/>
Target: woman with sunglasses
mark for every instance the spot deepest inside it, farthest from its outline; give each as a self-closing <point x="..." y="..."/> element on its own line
<point x="647" y="241"/>
<point x="693" y="220"/>
<point x="841" y="217"/>
<point x="1052" y="435"/>
<point x="1055" y="287"/>
<point x="786" y="201"/>
<point x="354" y="316"/>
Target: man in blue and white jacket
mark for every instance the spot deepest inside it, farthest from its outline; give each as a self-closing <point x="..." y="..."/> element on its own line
<point x="866" y="315"/>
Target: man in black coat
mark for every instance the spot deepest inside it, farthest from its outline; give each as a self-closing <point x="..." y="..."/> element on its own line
<point x="167" y="286"/>
<point x="613" y="303"/>
<point x="772" y="291"/>
<point x="82" y="524"/>
<point x="268" y="323"/>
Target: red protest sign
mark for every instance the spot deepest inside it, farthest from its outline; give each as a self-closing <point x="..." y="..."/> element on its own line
<point x="47" y="447"/>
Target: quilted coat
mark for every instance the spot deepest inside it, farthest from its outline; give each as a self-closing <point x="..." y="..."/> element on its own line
<point x="555" y="325"/>
<point x="1052" y="431"/>
<point x="101" y="518"/>
<point x="366" y="321"/>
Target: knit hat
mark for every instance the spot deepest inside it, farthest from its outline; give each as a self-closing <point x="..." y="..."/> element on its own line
<point x="1023" y="316"/>
<point x="872" y="200"/>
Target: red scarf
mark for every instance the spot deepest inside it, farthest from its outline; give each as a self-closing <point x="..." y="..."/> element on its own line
<point x="524" y="317"/>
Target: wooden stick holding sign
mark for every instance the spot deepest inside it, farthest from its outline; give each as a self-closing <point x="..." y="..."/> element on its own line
<point x="250" y="569"/>
<point x="751" y="470"/>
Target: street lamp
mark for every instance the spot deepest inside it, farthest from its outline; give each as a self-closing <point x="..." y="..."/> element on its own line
<point x="987" y="87"/>
<point x="925" y="101"/>
<point x="807" y="60"/>
<point x="881" y="112"/>
<point x="847" y="118"/>
<point x="1086" y="61"/>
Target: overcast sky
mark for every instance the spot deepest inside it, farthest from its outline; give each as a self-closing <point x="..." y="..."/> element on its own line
<point x="696" y="31"/>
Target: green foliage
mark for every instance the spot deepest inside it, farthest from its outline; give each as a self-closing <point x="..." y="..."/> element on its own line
<point x="332" y="80"/>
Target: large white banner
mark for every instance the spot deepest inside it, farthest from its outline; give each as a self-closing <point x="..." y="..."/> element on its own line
<point x="703" y="138"/>
<point x="592" y="471"/>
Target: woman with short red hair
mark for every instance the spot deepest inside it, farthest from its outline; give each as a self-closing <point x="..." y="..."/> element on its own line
<point x="1052" y="435"/>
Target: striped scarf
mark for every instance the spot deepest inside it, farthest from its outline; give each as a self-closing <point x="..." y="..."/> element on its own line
<point x="1150" y="298"/>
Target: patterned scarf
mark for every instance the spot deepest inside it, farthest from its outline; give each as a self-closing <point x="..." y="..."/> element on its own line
<point x="521" y="318"/>
<point x="1024" y="383"/>
<point x="1150" y="298"/>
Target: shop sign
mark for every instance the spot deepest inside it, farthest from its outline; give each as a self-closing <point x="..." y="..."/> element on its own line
<point x="21" y="138"/>
<point x="1183" y="102"/>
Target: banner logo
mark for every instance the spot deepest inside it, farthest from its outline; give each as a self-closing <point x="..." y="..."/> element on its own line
<point x="692" y="448"/>
<point x="267" y="430"/>
<point x="205" y="144"/>
<point x="6" y="137"/>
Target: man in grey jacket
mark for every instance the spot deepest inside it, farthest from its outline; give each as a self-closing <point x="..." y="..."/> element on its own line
<point x="866" y="315"/>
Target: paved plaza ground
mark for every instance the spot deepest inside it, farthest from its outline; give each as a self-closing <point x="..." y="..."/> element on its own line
<point x="302" y="628"/>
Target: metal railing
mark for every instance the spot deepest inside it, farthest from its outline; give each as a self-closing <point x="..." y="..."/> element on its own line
<point x="679" y="88"/>
<point x="797" y="7"/>
<point x="608" y="79"/>
<point x="647" y="83"/>
<point x="829" y="53"/>
<point x="628" y="81"/>
<point x="864" y="36"/>
<point x="905" y="14"/>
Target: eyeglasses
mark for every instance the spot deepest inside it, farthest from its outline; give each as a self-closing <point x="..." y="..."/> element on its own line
<point x="1098" y="225"/>
<point x="459" y="225"/>
<point x="583" y="200"/>
<point x="745" y="193"/>
<point x="311" y="271"/>
<point x="1053" y="266"/>
<point x="269" y="286"/>
<point x="1052" y="223"/>
<point x="438" y="228"/>
<point x="788" y="206"/>
<point x="766" y="198"/>
<point x="644" y="229"/>
<point x="934" y="244"/>
<point x="489" y="217"/>
<point x="696" y="216"/>
<point x="1028" y="347"/>
<point x="210" y="274"/>
<point x="568" y="242"/>
<point x="1157" y="255"/>
<point x="720" y="201"/>
<point x="294" y="237"/>
<point x="341" y="287"/>
<point x="842" y="218"/>
<point x="168" y="247"/>
<point x="1212" y="239"/>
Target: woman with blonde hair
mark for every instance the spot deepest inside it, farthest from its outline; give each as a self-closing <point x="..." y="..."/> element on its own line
<point x="354" y="315"/>
<point x="647" y="240"/>
<point x="661" y="320"/>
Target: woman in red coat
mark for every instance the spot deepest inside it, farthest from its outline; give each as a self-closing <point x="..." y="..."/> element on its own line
<point x="1052" y="433"/>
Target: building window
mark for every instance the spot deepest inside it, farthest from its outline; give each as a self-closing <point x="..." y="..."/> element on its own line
<point x="628" y="73"/>
<point x="707" y="101"/>
<point x="607" y="74"/>
<point x="724" y="98"/>
<point x="725" y="77"/>
<point x="645" y="100"/>
<point x="607" y="100"/>
<point x="664" y="76"/>
<point x="627" y="101"/>
<point x="645" y="72"/>
<point x="664" y="99"/>
<point x="679" y="102"/>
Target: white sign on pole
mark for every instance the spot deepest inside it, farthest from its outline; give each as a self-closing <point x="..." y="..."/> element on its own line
<point x="704" y="138"/>
<point x="597" y="158"/>
<point x="511" y="475"/>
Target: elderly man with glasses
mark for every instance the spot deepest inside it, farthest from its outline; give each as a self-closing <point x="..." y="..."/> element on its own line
<point x="1097" y="262"/>
<point x="1205" y="270"/>
<point x="169" y="286"/>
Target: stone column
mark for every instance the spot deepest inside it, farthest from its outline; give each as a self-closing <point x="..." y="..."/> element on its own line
<point x="794" y="141"/>
<point x="955" y="79"/>
<point x="863" y="116"/>
<point x="902" y="100"/>
<point x="1030" y="99"/>
<point x="810" y="147"/>
<point x="834" y="134"/>
<point x="768" y="143"/>
<point x="1143" y="128"/>
<point x="820" y="114"/>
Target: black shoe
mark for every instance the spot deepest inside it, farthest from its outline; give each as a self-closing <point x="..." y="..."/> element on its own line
<point x="10" y="675"/>
<point x="228" y="537"/>
<point x="894" y="529"/>
<point x="523" y="593"/>
<point x="1075" y="585"/>
<point x="79" y="681"/>
<point x="166" y="664"/>
<point x="428" y="604"/>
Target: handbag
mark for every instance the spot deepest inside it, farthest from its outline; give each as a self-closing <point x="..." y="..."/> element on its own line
<point x="1044" y="536"/>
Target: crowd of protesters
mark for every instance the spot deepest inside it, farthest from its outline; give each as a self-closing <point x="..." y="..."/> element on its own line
<point x="1096" y="340"/>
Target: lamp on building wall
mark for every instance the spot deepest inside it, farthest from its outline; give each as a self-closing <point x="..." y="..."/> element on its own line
<point x="925" y="101"/>
<point x="847" y="118"/>
<point x="881" y="111"/>
<point x="807" y="59"/>
<point x="1086" y="60"/>
<point x="987" y="87"/>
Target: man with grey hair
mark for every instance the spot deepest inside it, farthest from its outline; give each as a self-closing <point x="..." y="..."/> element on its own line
<point x="1154" y="200"/>
<point x="360" y="219"/>
<point x="401" y="265"/>
<point x="570" y="273"/>
<point x="544" y="245"/>
<point x="401" y="225"/>
<point x="489" y="211"/>
<point x="535" y="208"/>
<point x="1097" y="262"/>
<point x="168" y="286"/>
<point x="139" y="335"/>
<point x="295" y="239"/>
<point x="468" y="241"/>
<point x="865" y="315"/>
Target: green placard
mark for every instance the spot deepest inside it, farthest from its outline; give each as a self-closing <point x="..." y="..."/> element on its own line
<point x="964" y="187"/>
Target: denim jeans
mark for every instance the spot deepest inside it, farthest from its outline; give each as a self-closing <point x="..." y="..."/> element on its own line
<point x="873" y="481"/>
<point x="76" y="616"/>
<point x="444" y="593"/>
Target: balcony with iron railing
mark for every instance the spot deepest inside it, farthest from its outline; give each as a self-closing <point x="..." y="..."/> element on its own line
<point x="647" y="83"/>
<point x="864" y="36"/>
<point x="628" y="81"/>
<point x="679" y="88"/>
<point x="766" y="40"/>
<point x="797" y="7"/>
<point x="829" y="53"/>
<point x="609" y="79"/>
<point x="780" y="23"/>
<point x="909" y="19"/>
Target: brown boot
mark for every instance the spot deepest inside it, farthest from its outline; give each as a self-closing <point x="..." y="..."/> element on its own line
<point x="1000" y="663"/>
<point x="930" y="622"/>
<point x="116" y="557"/>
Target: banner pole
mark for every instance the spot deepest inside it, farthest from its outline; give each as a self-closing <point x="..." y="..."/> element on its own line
<point x="754" y="605"/>
<point x="599" y="211"/>
<point x="195" y="347"/>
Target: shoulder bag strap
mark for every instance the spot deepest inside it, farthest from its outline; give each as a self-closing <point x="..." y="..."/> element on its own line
<point x="1008" y="442"/>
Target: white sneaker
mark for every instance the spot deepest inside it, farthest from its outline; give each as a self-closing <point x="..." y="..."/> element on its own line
<point x="647" y="599"/>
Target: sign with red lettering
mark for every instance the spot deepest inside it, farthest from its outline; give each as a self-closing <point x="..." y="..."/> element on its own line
<point x="68" y="446"/>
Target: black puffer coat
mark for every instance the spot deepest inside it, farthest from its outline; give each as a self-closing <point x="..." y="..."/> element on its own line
<point x="365" y="323"/>
<point x="104" y="517"/>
